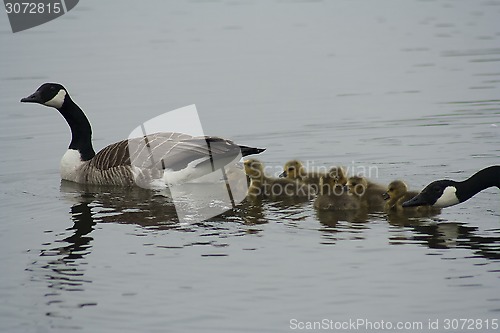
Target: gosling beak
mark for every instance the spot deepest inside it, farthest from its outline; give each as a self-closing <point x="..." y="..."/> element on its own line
<point x="33" y="98"/>
<point x="415" y="201"/>
<point x="283" y="174"/>
<point x="385" y="196"/>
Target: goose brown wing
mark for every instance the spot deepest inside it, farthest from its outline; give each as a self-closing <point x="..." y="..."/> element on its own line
<point x="176" y="155"/>
<point x="165" y="151"/>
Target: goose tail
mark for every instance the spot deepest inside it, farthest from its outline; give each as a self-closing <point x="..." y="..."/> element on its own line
<point x="245" y="150"/>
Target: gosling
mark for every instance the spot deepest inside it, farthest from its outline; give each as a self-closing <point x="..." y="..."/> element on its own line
<point x="262" y="186"/>
<point x="369" y="192"/>
<point x="295" y="170"/>
<point x="334" y="196"/>
<point x="397" y="193"/>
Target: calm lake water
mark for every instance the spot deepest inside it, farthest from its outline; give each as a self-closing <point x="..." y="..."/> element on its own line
<point x="410" y="88"/>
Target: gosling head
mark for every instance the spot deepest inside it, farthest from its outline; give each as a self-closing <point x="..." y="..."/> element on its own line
<point x="254" y="168"/>
<point x="357" y="185"/>
<point x="338" y="175"/>
<point x="396" y="189"/>
<point x="48" y="94"/>
<point x="293" y="169"/>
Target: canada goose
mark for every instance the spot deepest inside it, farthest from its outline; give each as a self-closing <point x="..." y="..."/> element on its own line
<point x="177" y="157"/>
<point x="370" y="192"/>
<point x="265" y="186"/>
<point x="334" y="196"/>
<point x="445" y="193"/>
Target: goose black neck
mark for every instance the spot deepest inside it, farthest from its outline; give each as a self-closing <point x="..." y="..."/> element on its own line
<point x="81" y="131"/>
<point x="479" y="181"/>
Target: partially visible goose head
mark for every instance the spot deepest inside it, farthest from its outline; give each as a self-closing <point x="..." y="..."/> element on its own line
<point x="445" y="193"/>
<point x="440" y="193"/>
<point x="48" y="94"/>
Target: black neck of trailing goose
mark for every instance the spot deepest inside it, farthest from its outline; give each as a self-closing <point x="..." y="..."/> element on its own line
<point x="81" y="132"/>
<point x="481" y="180"/>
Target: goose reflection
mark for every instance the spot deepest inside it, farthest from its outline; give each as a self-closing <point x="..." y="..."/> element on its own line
<point x="439" y="234"/>
<point x="133" y="205"/>
<point x="62" y="268"/>
<point x="61" y="263"/>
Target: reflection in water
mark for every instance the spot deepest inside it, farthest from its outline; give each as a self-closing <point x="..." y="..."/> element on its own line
<point x="437" y="234"/>
<point x="62" y="262"/>
<point x="132" y="205"/>
<point x="63" y="270"/>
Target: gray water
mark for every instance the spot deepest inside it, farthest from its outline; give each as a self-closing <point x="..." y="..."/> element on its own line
<point x="408" y="87"/>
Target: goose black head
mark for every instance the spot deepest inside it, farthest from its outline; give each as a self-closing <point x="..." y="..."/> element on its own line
<point x="49" y="94"/>
<point x="440" y="193"/>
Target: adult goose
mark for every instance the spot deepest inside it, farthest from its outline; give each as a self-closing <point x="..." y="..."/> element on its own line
<point x="445" y="193"/>
<point x="160" y="158"/>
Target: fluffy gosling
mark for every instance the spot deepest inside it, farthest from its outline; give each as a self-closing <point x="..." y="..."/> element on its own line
<point x="276" y="188"/>
<point x="370" y="192"/>
<point x="334" y="195"/>
<point x="397" y="193"/>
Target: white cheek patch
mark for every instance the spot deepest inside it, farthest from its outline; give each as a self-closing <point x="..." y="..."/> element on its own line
<point x="448" y="198"/>
<point x="58" y="99"/>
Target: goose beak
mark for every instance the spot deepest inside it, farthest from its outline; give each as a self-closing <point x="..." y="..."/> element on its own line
<point x="283" y="174"/>
<point x="385" y="196"/>
<point x="415" y="201"/>
<point x="33" y="98"/>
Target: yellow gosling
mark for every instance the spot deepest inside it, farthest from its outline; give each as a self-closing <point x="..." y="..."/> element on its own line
<point x="295" y="170"/>
<point x="277" y="188"/>
<point x="397" y="193"/>
<point x="338" y="175"/>
<point x="336" y="197"/>
<point x="370" y="192"/>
